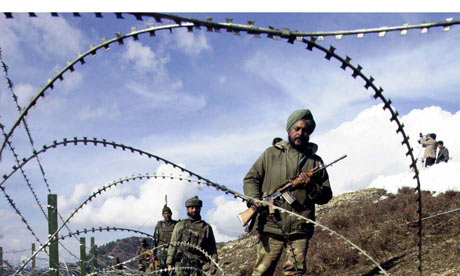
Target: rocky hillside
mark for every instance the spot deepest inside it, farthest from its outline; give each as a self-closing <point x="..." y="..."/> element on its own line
<point x="379" y="223"/>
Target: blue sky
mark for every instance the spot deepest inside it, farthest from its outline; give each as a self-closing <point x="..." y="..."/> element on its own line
<point x="212" y="102"/>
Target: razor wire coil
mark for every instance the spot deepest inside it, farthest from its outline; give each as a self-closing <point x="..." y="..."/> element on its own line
<point x="282" y="34"/>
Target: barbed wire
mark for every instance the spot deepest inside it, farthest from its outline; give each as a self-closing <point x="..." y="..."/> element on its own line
<point x="271" y="33"/>
<point x="23" y="173"/>
<point x="23" y="219"/>
<point x="176" y="244"/>
<point x="330" y="53"/>
<point x="16" y="156"/>
<point x="95" y="141"/>
<point x="24" y="121"/>
<point x="207" y="182"/>
<point x="100" y="229"/>
<point x="425" y="218"/>
<point x="378" y="94"/>
<point x="81" y="59"/>
<point x="16" y="251"/>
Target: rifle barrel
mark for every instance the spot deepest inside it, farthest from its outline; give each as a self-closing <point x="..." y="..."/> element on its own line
<point x="330" y="164"/>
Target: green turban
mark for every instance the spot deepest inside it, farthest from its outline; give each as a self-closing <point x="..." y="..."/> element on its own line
<point x="166" y="209"/>
<point x="193" y="202"/>
<point x="298" y="115"/>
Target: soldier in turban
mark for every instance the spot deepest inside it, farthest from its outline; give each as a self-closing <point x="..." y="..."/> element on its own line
<point x="280" y="162"/>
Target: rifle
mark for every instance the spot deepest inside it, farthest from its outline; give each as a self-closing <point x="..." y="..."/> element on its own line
<point x="284" y="191"/>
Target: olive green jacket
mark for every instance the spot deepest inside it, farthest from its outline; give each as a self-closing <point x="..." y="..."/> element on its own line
<point x="274" y="167"/>
<point x="163" y="232"/>
<point x="195" y="232"/>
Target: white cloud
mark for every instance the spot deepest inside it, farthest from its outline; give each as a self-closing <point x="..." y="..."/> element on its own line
<point x="99" y="112"/>
<point x="75" y="199"/>
<point x="224" y="219"/>
<point x="306" y="85"/>
<point x="237" y="147"/>
<point x="16" y="240"/>
<point x="71" y="81"/>
<point x="419" y="71"/>
<point x="61" y="39"/>
<point x="47" y="36"/>
<point x="375" y="158"/>
<point x="6" y="215"/>
<point x="437" y="178"/>
<point x="153" y="81"/>
<point x="143" y="208"/>
<point x="191" y="43"/>
<point x="9" y="38"/>
<point x="145" y="61"/>
<point x="167" y="96"/>
<point x="25" y="92"/>
<point x="374" y="148"/>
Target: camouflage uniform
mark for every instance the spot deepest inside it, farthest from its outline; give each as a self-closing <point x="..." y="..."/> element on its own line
<point x="196" y="232"/>
<point x="280" y="230"/>
<point x="162" y="236"/>
<point x="145" y="255"/>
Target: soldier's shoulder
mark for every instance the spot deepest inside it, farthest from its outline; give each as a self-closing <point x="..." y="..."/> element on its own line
<point x="181" y="222"/>
<point x="205" y="224"/>
<point x="281" y="145"/>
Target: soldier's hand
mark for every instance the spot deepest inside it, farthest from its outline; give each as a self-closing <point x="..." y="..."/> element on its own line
<point x="257" y="204"/>
<point x="253" y="204"/>
<point x="304" y="178"/>
<point x="212" y="269"/>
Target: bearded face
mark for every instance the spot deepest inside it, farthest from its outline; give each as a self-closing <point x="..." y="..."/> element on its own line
<point x="299" y="135"/>
<point x="193" y="212"/>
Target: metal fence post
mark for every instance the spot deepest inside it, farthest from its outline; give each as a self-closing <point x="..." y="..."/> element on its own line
<point x="82" y="256"/>
<point x="52" y="228"/>
<point x="34" y="272"/>
<point x="93" y="256"/>
<point x="1" y="261"/>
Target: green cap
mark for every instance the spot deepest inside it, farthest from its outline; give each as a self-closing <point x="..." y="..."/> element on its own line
<point x="298" y="115"/>
<point x="166" y="209"/>
<point x="193" y="202"/>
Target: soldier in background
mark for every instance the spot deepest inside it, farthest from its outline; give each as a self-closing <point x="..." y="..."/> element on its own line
<point x="443" y="153"/>
<point x="429" y="143"/>
<point x="144" y="255"/>
<point x="162" y="236"/>
<point x="196" y="232"/>
<point x="117" y="267"/>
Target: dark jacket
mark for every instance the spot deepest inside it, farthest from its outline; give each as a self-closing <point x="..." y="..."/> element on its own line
<point x="443" y="155"/>
<point x="276" y="165"/>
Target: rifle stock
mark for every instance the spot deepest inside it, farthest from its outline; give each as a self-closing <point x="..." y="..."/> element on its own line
<point x="246" y="215"/>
